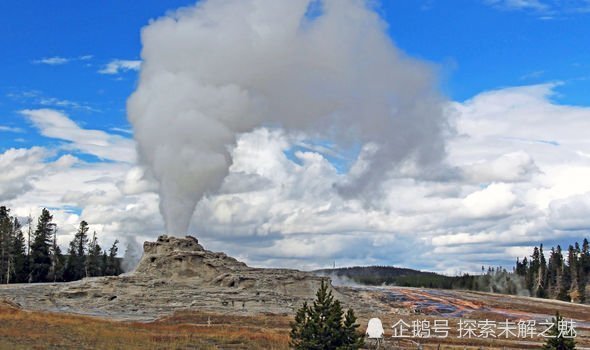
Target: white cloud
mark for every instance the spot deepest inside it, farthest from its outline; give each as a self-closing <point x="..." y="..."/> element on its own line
<point x="511" y="192"/>
<point x="494" y="200"/>
<point x="63" y="103"/>
<point x="268" y="203"/>
<point x="519" y="4"/>
<point x="511" y="167"/>
<point x="60" y="60"/>
<point x="18" y="167"/>
<point x="52" y="61"/>
<point x="546" y="8"/>
<point x="119" y="66"/>
<point x="571" y="213"/>
<point x="35" y="97"/>
<point x="55" y="124"/>
<point x="4" y="128"/>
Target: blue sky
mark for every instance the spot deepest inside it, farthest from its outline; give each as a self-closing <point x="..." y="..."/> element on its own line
<point x="57" y="56"/>
<point x="477" y="47"/>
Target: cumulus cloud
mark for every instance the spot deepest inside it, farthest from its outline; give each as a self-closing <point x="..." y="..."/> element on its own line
<point x="516" y="170"/>
<point x="118" y="66"/>
<point x="571" y="213"/>
<point x="55" y="124"/>
<point x="31" y="179"/>
<point x="511" y="167"/>
<point x="277" y="208"/>
<point x="18" y="167"/>
<point x="501" y="203"/>
<point x="219" y="69"/>
<point x="494" y="200"/>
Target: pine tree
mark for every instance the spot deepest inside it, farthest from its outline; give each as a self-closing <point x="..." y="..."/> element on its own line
<point x="93" y="266"/>
<point x="541" y="291"/>
<point x="574" y="291"/>
<point x="113" y="266"/>
<point x="533" y="272"/>
<point x="562" y="277"/>
<point x="18" y="253"/>
<point x="104" y="263"/>
<point x="556" y="340"/>
<point x="321" y="325"/>
<point x="585" y="267"/>
<point x="5" y="242"/>
<point x="352" y="339"/>
<point x="76" y="262"/>
<point x="29" y="261"/>
<point x="57" y="270"/>
<point x="41" y="247"/>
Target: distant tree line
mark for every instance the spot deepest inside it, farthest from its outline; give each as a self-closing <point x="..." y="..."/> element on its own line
<point x="38" y="258"/>
<point x="562" y="276"/>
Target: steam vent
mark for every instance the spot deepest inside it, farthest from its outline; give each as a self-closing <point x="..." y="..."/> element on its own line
<point x="175" y="274"/>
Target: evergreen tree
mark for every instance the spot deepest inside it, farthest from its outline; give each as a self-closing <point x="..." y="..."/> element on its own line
<point x="533" y="272"/>
<point x="57" y="270"/>
<point x="352" y="339"/>
<point x="584" y="268"/>
<point x="556" y="340"/>
<point x="41" y="247"/>
<point x="19" y="254"/>
<point x="113" y="265"/>
<point x="93" y="266"/>
<point x="541" y="291"/>
<point x="321" y="325"/>
<point x="104" y="263"/>
<point x="5" y="242"/>
<point x="574" y="291"/>
<point x="29" y="261"/>
<point x="76" y="262"/>
<point x="562" y="278"/>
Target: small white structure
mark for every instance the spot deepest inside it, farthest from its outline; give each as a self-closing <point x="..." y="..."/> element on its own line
<point x="375" y="331"/>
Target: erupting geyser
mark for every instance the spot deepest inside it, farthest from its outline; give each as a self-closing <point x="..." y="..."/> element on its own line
<point x="225" y="67"/>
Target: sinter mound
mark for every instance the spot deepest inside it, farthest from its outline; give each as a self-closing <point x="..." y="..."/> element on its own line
<point x="175" y="273"/>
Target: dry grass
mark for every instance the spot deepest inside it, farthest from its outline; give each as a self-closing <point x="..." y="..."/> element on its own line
<point x="20" y="329"/>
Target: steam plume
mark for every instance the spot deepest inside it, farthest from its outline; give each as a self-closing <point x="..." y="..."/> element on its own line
<point x="225" y="67"/>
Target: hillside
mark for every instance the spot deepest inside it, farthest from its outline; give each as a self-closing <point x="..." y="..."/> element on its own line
<point x="389" y="275"/>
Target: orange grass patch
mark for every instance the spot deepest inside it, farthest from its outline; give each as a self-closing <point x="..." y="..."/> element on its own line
<point x="20" y="329"/>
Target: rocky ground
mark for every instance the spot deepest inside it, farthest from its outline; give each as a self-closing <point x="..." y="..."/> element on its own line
<point x="174" y="274"/>
<point x="179" y="275"/>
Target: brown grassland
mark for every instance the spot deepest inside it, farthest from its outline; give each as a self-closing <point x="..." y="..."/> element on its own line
<point x="24" y="329"/>
<point x="20" y="329"/>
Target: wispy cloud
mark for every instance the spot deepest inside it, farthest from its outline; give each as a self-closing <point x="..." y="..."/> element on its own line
<point x="59" y="60"/>
<point x="52" y="61"/>
<point x="56" y="102"/>
<point x="118" y="66"/>
<point x="533" y="75"/>
<point x="4" y="128"/>
<point x="56" y="125"/>
<point x="519" y="4"/>
<point x="545" y="8"/>
<point x="123" y="130"/>
<point x="39" y="98"/>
